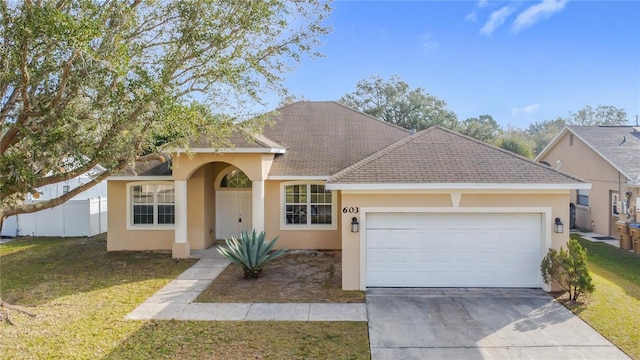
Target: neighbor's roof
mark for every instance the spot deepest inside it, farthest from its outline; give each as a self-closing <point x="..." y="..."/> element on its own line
<point x="619" y="145"/>
<point x="323" y="137"/>
<point x="440" y="156"/>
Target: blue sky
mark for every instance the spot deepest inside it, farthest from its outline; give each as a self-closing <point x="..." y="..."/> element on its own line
<point x="519" y="61"/>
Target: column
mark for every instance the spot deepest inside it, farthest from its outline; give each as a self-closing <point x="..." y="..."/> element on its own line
<point x="181" y="248"/>
<point x="257" y="205"/>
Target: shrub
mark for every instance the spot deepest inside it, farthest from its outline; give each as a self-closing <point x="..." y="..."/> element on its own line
<point x="567" y="269"/>
<point x="251" y="252"/>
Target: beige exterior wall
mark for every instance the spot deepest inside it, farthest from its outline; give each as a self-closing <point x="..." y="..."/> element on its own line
<point x="118" y="237"/>
<point x="201" y="215"/>
<point x="296" y="239"/>
<point x="351" y="247"/>
<point x="201" y="211"/>
<point x="255" y="166"/>
<point x="580" y="160"/>
<point x="201" y="208"/>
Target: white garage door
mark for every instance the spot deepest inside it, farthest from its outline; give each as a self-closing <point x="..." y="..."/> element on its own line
<point x="453" y="250"/>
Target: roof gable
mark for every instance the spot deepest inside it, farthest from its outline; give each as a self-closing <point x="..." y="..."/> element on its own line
<point x="617" y="145"/>
<point x="323" y="137"/>
<point x="438" y="156"/>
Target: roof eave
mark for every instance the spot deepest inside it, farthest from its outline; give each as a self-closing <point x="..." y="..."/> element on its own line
<point x="235" y="150"/>
<point x="140" y="178"/>
<point x="457" y="186"/>
<point x="552" y="143"/>
<point x="299" y="177"/>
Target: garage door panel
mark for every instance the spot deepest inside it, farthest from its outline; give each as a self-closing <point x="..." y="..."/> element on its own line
<point x="447" y="220"/>
<point x="450" y="250"/>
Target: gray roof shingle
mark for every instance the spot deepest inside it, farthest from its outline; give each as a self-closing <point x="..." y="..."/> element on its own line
<point x="239" y="140"/>
<point x="619" y="145"/>
<point x="323" y="137"/>
<point x="437" y="155"/>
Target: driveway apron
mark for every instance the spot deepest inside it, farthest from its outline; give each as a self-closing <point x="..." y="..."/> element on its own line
<point x="479" y="324"/>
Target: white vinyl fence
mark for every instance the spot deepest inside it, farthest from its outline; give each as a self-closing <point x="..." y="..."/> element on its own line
<point x="86" y="217"/>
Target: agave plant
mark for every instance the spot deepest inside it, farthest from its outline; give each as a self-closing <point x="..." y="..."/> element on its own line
<point x="251" y="252"/>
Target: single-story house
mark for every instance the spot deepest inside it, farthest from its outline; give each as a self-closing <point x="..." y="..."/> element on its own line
<point x="609" y="158"/>
<point x="83" y="215"/>
<point x="430" y="209"/>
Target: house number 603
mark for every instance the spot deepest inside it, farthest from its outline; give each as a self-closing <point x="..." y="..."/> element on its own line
<point x="350" y="210"/>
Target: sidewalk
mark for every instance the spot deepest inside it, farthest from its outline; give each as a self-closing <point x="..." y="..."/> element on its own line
<point x="599" y="238"/>
<point x="175" y="301"/>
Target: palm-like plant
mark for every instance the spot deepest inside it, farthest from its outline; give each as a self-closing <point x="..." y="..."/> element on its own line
<point x="251" y="252"/>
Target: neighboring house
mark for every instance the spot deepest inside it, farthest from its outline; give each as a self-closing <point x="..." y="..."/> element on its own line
<point x="431" y="209"/>
<point x="609" y="158"/>
<point x="83" y="215"/>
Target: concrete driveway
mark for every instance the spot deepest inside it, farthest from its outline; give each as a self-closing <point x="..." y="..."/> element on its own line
<point x="478" y="324"/>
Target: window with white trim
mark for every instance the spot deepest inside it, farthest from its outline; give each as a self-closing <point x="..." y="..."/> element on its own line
<point x="152" y="204"/>
<point x="615" y="204"/>
<point x="308" y="205"/>
<point x="583" y="197"/>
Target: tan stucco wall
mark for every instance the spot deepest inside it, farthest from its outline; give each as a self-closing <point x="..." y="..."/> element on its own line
<point x="581" y="161"/>
<point x="118" y="237"/>
<point x="201" y="208"/>
<point x="200" y="215"/>
<point x="558" y="202"/>
<point x="296" y="239"/>
<point x="255" y="166"/>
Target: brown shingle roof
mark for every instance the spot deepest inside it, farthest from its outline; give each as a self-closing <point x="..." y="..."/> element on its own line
<point x="239" y="140"/>
<point x="321" y="138"/>
<point x="438" y="155"/>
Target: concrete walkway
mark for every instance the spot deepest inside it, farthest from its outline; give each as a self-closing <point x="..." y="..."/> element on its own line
<point x="175" y="301"/>
<point x="593" y="237"/>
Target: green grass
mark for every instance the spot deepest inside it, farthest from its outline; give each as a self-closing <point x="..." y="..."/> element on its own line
<point x="81" y="294"/>
<point x="614" y="308"/>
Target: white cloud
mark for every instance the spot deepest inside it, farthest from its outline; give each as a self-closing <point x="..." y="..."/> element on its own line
<point x="529" y="109"/>
<point x="496" y="19"/>
<point x="537" y="13"/>
<point x="427" y="42"/>
<point x="473" y="16"/>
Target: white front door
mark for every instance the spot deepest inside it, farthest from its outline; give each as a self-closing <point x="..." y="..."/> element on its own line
<point x="233" y="213"/>
<point x="453" y="250"/>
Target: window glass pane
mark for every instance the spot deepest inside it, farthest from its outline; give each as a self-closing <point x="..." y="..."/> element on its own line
<point x="296" y="214"/>
<point x="143" y="214"/>
<point x="235" y="179"/>
<point x="583" y="197"/>
<point x="166" y="194"/>
<point x="142" y="194"/>
<point x="321" y="214"/>
<point x="614" y="204"/>
<point x="166" y="214"/>
<point x="296" y="194"/>
<point x="313" y="198"/>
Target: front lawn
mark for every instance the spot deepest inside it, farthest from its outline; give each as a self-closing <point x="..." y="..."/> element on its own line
<point x="614" y="308"/>
<point x="81" y="294"/>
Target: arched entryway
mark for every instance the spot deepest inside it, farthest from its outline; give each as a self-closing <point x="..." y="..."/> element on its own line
<point x="233" y="203"/>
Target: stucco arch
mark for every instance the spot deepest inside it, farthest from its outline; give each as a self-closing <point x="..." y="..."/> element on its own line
<point x="255" y="166"/>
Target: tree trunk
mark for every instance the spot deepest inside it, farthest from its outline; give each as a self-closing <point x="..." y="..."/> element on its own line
<point x="2" y="218"/>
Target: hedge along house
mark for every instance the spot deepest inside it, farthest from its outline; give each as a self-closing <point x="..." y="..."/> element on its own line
<point x="430" y="209"/>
